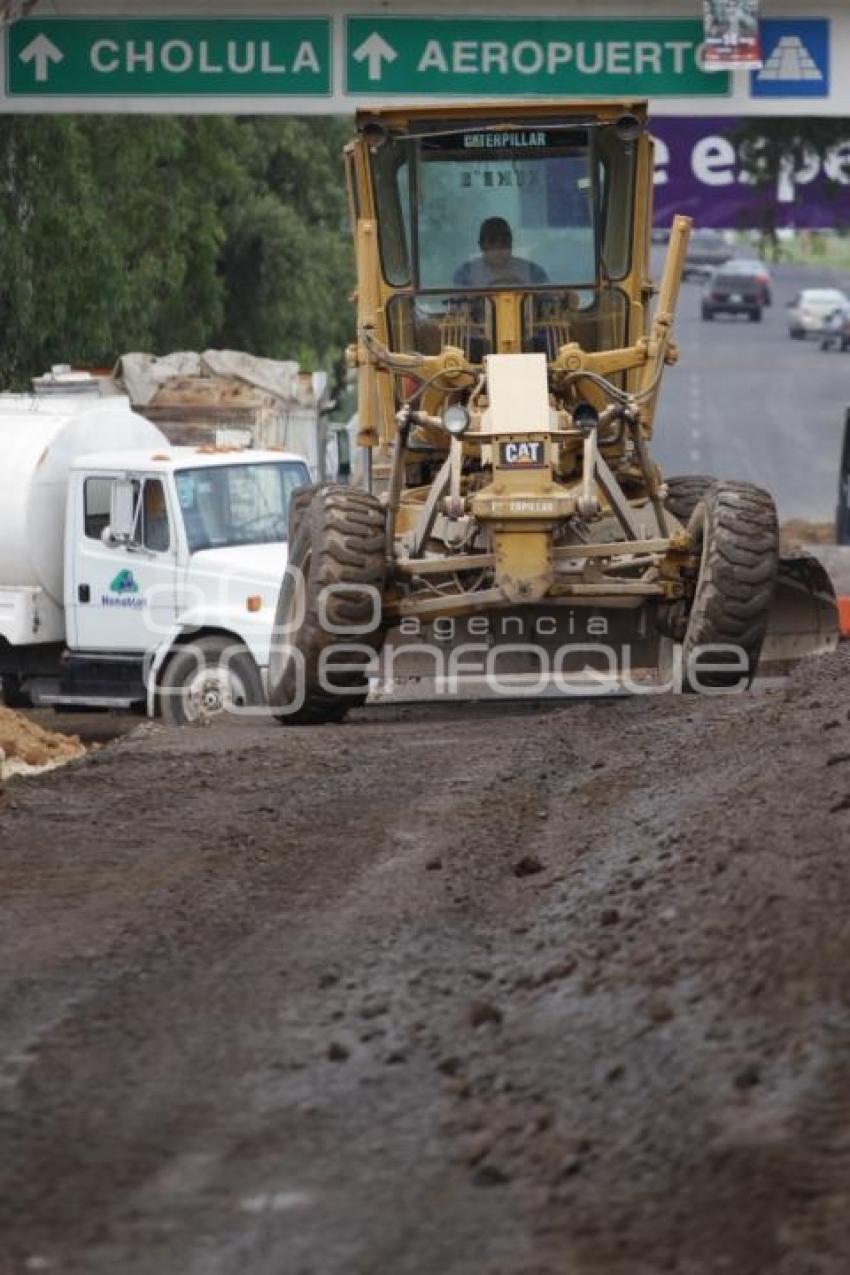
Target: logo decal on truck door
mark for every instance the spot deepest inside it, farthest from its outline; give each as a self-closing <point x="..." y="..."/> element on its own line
<point x="125" y="586"/>
<point x="124" y="582"/>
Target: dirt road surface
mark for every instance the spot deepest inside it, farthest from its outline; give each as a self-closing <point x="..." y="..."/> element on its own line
<point x="513" y="991"/>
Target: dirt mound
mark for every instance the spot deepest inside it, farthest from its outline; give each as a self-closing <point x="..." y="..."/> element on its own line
<point x="26" y="747"/>
<point x="798" y="531"/>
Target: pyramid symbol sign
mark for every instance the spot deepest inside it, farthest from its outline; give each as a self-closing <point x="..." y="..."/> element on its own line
<point x="790" y="60"/>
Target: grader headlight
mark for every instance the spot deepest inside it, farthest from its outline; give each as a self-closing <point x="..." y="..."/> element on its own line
<point x="456" y="420"/>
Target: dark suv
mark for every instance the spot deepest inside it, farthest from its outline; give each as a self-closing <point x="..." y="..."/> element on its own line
<point x="739" y="287"/>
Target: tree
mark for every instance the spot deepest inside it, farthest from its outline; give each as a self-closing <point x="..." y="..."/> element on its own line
<point x="287" y="263"/>
<point x="126" y="233"/>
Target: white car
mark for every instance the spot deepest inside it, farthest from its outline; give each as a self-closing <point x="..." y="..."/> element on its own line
<point x="811" y="308"/>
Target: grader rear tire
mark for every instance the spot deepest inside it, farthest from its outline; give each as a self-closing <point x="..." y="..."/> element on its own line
<point x="299" y="503"/>
<point x="735" y="535"/>
<point x="684" y="491"/>
<point x="338" y="539"/>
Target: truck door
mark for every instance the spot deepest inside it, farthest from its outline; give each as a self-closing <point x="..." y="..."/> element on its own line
<point x="122" y="597"/>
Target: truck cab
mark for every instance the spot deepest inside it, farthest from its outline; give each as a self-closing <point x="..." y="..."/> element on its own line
<point x="161" y="586"/>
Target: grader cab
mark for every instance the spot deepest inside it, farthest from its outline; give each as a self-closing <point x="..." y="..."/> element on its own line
<point x="515" y="536"/>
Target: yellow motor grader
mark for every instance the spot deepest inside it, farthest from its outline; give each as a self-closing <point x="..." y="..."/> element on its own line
<point x="513" y="535"/>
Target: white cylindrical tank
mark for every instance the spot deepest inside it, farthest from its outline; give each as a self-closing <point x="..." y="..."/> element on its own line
<point x="39" y="439"/>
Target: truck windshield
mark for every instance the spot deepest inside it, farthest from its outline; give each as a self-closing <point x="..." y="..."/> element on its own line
<point x="238" y="504"/>
<point x="515" y="208"/>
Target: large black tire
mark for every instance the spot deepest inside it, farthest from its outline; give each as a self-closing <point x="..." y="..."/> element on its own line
<point x="338" y="538"/>
<point x="684" y="493"/>
<point x="299" y="503"/>
<point x="206" y="679"/>
<point x="735" y="535"/>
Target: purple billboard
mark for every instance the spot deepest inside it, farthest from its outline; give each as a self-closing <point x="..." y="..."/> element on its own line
<point x="698" y="172"/>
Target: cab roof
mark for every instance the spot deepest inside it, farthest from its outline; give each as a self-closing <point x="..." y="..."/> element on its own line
<point x="506" y="114"/>
<point x="166" y="459"/>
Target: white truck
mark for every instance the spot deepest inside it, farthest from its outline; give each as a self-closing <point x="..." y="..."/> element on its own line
<point x="133" y="572"/>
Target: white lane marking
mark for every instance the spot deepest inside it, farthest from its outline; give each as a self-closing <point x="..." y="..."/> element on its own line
<point x="695" y="407"/>
<point x="275" y="1202"/>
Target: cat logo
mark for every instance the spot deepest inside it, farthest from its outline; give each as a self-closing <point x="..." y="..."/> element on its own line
<point x="522" y="455"/>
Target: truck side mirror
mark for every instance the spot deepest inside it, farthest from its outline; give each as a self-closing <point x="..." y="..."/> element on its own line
<point x="122" y="513"/>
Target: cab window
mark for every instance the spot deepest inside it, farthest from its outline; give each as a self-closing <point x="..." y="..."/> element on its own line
<point x="154" y="529"/>
<point x="97" y="498"/>
<point x="151" y="526"/>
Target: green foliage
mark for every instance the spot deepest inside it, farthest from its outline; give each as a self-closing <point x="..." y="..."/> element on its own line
<point x="288" y="263"/>
<point x="125" y="233"/>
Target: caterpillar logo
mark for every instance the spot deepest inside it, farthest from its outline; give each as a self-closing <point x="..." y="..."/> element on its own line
<point x="522" y="455"/>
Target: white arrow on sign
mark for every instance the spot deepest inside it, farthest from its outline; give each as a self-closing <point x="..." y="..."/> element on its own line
<point x="376" y="51"/>
<point x="42" y="52"/>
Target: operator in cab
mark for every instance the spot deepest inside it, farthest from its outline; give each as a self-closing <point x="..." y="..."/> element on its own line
<point x="497" y="267"/>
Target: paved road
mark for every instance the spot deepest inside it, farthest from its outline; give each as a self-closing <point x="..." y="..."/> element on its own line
<point x="748" y="402"/>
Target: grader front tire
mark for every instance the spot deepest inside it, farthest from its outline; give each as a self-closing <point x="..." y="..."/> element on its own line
<point x="734" y="534"/>
<point x="330" y="598"/>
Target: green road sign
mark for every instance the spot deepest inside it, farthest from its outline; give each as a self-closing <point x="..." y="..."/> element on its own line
<point x="523" y="57"/>
<point x="168" y="57"/>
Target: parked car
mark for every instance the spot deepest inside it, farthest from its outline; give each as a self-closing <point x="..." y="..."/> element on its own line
<point x="811" y="309"/>
<point x="706" y="250"/>
<point x="738" y="287"/>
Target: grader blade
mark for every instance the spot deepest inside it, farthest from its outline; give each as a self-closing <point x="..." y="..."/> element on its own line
<point x="540" y="652"/>
<point x="803" y="616"/>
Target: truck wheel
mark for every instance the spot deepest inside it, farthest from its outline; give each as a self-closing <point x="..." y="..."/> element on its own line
<point x="735" y="536"/>
<point x="340" y="540"/>
<point x="205" y="679"/>
<point x="684" y="493"/>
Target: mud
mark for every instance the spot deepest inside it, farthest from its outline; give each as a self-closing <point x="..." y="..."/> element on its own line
<point x="484" y="991"/>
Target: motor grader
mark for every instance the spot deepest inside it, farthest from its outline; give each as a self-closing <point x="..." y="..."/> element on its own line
<point x="513" y="535"/>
